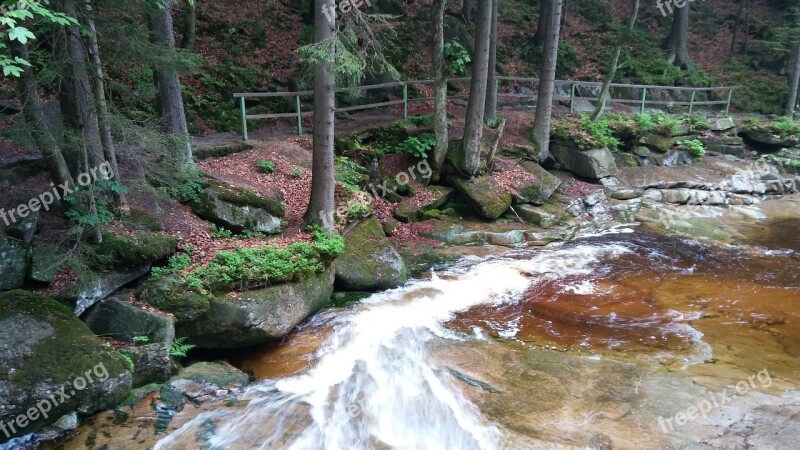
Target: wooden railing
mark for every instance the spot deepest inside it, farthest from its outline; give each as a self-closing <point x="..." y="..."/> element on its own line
<point x="572" y="97"/>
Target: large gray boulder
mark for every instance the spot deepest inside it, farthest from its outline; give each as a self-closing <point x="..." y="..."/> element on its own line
<point x="485" y="196"/>
<point x="123" y="321"/>
<point x="591" y="164"/>
<point x="238" y="209"/>
<point x="14" y="260"/>
<point x="369" y="262"/>
<point x="25" y="227"/>
<point x="250" y="318"/>
<point x="52" y="364"/>
<point x="546" y="183"/>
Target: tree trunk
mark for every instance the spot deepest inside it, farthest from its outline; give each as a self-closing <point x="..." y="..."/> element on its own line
<point x="545" y="13"/>
<point x="320" y="208"/>
<point x="540" y="133"/>
<point x="87" y="110"/>
<point x="466" y="11"/>
<point x="34" y="116"/>
<point x="612" y="71"/>
<point x="190" y="28"/>
<point x="747" y="31"/>
<point x="103" y="114"/>
<point x="677" y="44"/>
<point x="794" y="81"/>
<point x="470" y="159"/>
<point x="168" y="85"/>
<point x="490" y="109"/>
<point x="440" y="88"/>
<point x="736" y="24"/>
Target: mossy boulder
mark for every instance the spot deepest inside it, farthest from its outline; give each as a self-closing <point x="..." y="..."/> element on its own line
<point x="170" y="294"/>
<point x="764" y="139"/>
<point x="152" y="363"/>
<point x="590" y="164"/>
<point x="14" y="260"/>
<point x="539" y="192"/>
<point x="123" y="321"/>
<point x="244" y="319"/>
<point x="485" y="196"/>
<point x="369" y="262"/>
<point x="25" y="227"/>
<point x="238" y="209"/>
<point x="657" y="142"/>
<point x="123" y="250"/>
<point x="45" y="349"/>
<point x="93" y="286"/>
<point x="45" y="262"/>
<point x="407" y="211"/>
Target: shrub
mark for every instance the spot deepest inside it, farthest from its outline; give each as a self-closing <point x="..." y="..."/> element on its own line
<point x="180" y="348"/>
<point x="296" y="173"/>
<point x="585" y="133"/>
<point x="694" y="146"/>
<point x="785" y="126"/>
<point x="175" y="264"/>
<point x="266" y="166"/>
<point x="697" y="122"/>
<point x="418" y="147"/>
<point x="658" y="121"/>
<point x="349" y="173"/>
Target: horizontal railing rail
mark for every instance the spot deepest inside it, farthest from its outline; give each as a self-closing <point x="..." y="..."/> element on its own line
<point x="572" y="97"/>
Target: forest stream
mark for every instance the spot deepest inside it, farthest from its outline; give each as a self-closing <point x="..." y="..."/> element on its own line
<point x="606" y="341"/>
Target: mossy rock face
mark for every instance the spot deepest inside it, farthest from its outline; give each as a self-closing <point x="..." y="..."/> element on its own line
<point x="657" y="142"/>
<point x="139" y="220"/>
<point x="764" y="139"/>
<point x="123" y="251"/>
<point x="255" y="317"/>
<point x="238" y="209"/>
<point x="488" y="199"/>
<point x="45" y="262"/>
<point x="45" y="347"/>
<point x="14" y="260"/>
<point x="369" y="262"/>
<point x="124" y="321"/>
<point x="546" y="183"/>
<point x="407" y="212"/>
<point x="170" y="294"/>
<point x="214" y="373"/>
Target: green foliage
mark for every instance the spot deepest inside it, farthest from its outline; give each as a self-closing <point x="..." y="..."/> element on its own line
<point x="266" y="166"/>
<point x="248" y="268"/>
<point x="694" y="146"/>
<point x="785" y="126"/>
<point x="422" y="120"/>
<point x="79" y="213"/>
<point x="357" y="211"/>
<point x="175" y="264"/>
<point x="180" y="348"/>
<point x="418" y="147"/>
<point x="568" y="59"/>
<point x="697" y="122"/>
<point x="456" y="58"/>
<point x="141" y="339"/>
<point x="658" y="122"/>
<point x="643" y="62"/>
<point x="296" y="172"/>
<point x="585" y="133"/>
<point x="349" y="173"/>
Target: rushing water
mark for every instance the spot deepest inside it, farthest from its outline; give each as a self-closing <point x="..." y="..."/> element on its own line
<point x="393" y="371"/>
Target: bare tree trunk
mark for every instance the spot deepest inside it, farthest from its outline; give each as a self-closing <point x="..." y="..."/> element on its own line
<point x="540" y="134"/>
<point x="747" y="31"/>
<point x="677" y="43"/>
<point x="190" y="29"/>
<point x="320" y="208"/>
<point x="490" y="109"/>
<point x="104" y="116"/>
<point x="545" y="13"/>
<point x="493" y="151"/>
<point x="612" y="71"/>
<point x="794" y="81"/>
<point x="736" y="24"/>
<point x="168" y="84"/>
<point x="34" y="116"/>
<point x="87" y="112"/>
<point x="466" y="11"/>
<point x="470" y="159"/>
<point x="440" y="88"/>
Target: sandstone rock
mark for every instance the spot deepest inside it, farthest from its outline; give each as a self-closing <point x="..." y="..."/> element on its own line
<point x="592" y="164"/>
<point x="369" y="262"/>
<point x="488" y="199"/>
<point x="536" y="216"/>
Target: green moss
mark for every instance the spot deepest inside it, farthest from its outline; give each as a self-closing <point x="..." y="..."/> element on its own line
<point x="170" y="294"/>
<point x="128" y="251"/>
<point x="139" y="220"/>
<point x="214" y="373"/>
<point x="244" y="197"/>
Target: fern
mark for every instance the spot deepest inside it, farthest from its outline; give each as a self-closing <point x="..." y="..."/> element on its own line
<point x="180" y="348"/>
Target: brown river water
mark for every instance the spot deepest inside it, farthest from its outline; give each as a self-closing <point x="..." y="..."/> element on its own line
<point x="584" y="345"/>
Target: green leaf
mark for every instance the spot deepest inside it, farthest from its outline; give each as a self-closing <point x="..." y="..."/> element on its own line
<point x="14" y="71"/>
<point x="21" y="34"/>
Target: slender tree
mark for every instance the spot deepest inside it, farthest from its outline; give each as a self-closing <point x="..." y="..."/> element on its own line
<point x="466" y="10"/>
<point x="440" y="87"/>
<point x="545" y="13"/>
<point x="612" y="70"/>
<point x="470" y="159"/>
<point x="490" y="109"/>
<point x="677" y="43"/>
<point x="540" y="134"/>
<point x="190" y="27"/>
<point x="167" y="82"/>
<point x="103" y="113"/>
<point x="794" y="74"/>
<point x="321" y="205"/>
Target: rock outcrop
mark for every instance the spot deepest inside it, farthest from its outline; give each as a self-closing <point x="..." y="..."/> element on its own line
<point x="369" y="262"/>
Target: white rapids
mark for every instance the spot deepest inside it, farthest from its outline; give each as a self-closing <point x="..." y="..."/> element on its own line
<point x="375" y="384"/>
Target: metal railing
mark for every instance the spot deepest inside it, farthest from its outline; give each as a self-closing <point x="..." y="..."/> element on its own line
<point x="572" y="97"/>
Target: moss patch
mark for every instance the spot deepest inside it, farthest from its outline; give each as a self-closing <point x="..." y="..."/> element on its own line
<point x="121" y="251"/>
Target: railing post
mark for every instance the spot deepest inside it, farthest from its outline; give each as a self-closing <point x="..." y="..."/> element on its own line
<point x="728" y="106"/>
<point x="405" y="101"/>
<point x="572" y="99"/>
<point x="299" y="116"/>
<point x="644" y="99"/>
<point x="691" y="102"/>
<point x="244" y="118"/>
